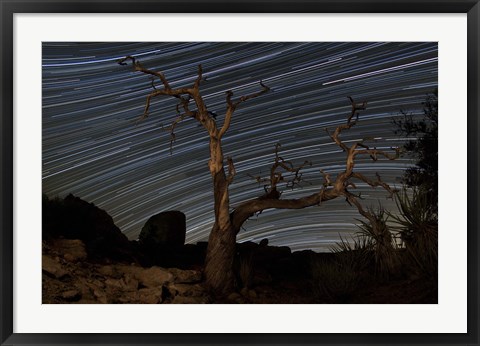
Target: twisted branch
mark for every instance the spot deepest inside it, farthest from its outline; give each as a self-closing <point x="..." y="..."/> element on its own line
<point x="331" y="188"/>
<point x="277" y="171"/>
<point x="137" y="66"/>
<point x="231" y="106"/>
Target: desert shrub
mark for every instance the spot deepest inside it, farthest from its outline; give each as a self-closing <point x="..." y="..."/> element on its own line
<point x="358" y="253"/>
<point x="381" y="239"/>
<point x="418" y="228"/>
<point x="337" y="279"/>
<point x="334" y="282"/>
<point x="422" y="146"/>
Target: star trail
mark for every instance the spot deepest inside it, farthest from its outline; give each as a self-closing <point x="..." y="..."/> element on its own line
<point x="93" y="147"/>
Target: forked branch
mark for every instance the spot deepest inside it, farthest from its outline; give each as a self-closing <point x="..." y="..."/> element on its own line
<point x="232" y="105"/>
<point x="330" y="189"/>
<point x="279" y="168"/>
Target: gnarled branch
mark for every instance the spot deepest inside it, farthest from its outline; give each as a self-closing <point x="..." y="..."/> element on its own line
<point x="277" y="171"/>
<point x="330" y="188"/>
<point x="137" y="66"/>
<point x="232" y="105"/>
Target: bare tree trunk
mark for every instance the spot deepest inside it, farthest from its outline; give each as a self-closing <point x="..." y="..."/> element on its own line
<point x="218" y="272"/>
<point x="219" y="276"/>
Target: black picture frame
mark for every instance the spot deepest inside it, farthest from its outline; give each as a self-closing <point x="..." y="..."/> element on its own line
<point x="10" y="7"/>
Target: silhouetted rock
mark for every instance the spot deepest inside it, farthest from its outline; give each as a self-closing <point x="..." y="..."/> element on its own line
<point x="85" y="256"/>
<point x="263" y="242"/>
<point x="164" y="229"/>
<point x="162" y="240"/>
<point x="73" y="218"/>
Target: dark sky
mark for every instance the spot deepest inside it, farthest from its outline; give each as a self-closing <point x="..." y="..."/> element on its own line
<point x="93" y="149"/>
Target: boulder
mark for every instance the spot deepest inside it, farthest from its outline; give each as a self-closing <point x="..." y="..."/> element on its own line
<point x="74" y="218"/>
<point x="73" y="250"/>
<point x="166" y="229"/>
<point x="263" y="242"/>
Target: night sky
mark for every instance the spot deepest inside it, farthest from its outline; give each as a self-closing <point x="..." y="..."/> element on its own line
<point x="93" y="148"/>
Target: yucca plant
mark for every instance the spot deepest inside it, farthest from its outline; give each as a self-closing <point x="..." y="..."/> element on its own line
<point x="358" y="252"/>
<point x="338" y="279"/>
<point x="381" y="240"/>
<point x="418" y="227"/>
<point x="335" y="281"/>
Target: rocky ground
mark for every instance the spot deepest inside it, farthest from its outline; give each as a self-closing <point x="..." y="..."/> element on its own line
<point x="68" y="277"/>
<point x="87" y="260"/>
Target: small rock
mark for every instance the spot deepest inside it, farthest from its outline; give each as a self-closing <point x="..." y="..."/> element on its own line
<point x="186" y="290"/>
<point x="244" y="291"/>
<point x="109" y="270"/>
<point x="71" y="295"/>
<point x="53" y="268"/>
<point x="127" y="298"/>
<point x="94" y="284"/>
<point x="185" y="276"/>
<point x="252" y="294"/>
<point x="234" y="296"/>
<point x="149" y="295"/>
<point x="189" y="300"/>
<point x="100" y="296"/>
<point x="73" y="250"/>
<point x="153" y="277"/>
<point x="131" y="284"/>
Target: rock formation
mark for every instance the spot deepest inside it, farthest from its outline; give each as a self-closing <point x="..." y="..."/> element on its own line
<point x="73" y="218"/>
<point x="164" y="229"/>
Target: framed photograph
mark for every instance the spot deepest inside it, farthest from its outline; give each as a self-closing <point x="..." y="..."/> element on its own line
<point x="239" y="172"/>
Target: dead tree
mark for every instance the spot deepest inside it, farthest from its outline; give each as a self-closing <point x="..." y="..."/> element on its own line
<point x="221" y="244"/>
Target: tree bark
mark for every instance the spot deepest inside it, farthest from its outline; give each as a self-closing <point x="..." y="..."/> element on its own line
<point x="219" y="276"/>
